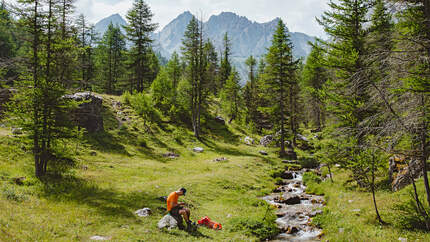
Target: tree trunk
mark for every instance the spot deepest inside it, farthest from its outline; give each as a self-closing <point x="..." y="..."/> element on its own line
<point x="329" y="172"/>
<point x="373" y="190"/>
<point x="423" y="141"/>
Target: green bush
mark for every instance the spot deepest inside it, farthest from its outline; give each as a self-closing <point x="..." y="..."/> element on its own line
<point x="10" y="193"/>
<point x="310" y="177"/>
<point x="142" y="142"/>
<point x="126" y="97"/>
<point x="263" y="229"/>
<point x="408" y="217"/>
<point x="312" y="182"/>
<point x="308" y="162"/>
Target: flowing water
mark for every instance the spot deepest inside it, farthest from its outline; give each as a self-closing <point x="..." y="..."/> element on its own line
<point x="295" y="210"/>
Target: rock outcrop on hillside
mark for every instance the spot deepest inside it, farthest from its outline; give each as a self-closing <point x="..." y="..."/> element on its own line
<point x="89" y="113"/>
<point x="402" y="171"/>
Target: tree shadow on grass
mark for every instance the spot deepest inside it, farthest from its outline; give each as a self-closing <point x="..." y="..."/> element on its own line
<point x="105" y="142"/>
<point x="220" y="132"/>
<point x="224" y="150"/>
<point x="107" y="202"/>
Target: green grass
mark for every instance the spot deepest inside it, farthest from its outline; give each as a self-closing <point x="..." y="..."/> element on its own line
<point x="122" y="170"/>
<point x="341" y="213"/>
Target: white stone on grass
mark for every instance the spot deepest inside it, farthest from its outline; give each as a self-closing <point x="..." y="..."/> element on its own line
<point x="145" y="212"/>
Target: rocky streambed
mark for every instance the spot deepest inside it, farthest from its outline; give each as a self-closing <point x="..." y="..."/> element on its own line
<point x="295" y="209"/>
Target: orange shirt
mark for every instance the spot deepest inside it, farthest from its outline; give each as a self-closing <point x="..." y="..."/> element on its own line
<point x="172" y="199"/>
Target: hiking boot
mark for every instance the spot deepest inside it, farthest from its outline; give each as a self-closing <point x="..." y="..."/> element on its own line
<point x="190" y="225"/>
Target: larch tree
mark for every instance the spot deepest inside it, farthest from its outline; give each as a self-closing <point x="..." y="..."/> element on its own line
<point x="225" y="67"/>
<point x="111" y="57"/>
<point x="138" y="31"/>
<point x="193" y="53"/>
<point x="280" y="79"/>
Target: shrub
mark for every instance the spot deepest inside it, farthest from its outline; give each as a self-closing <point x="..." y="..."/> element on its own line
<point x="142" y="142"/>
<point x="408" y="217"/>
<point x="263" y="229"/>
<point x="310" y="177"/>
<point x="10" y="193"/>
<point x="308" y="162"/>
<point x="126" y="97"/>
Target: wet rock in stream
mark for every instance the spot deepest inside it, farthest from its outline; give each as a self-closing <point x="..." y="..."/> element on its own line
<point x="295" y="209"/>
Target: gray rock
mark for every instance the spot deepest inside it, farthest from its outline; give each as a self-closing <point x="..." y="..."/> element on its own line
<point x="263" y="152"/>
<point x="315" y="213"/>
<point x="248" y="140"/>
<point x="303" y="138"/>
<point x="98" y="237"/>
<point x="168" y="222"/>
<point x="287" y="175"/>
<point x="413" y="171"/>
<point x="266" y="140"/>
<point x="291" y="199"/>
<point x="144" y="212"/>
<point x="220" y="159"/>
<point x="16" y="131"/>
<point x="171" y="155"/>
<point x="89" y="113"/>
<point x="220" y="120"/>
<point x="198" y="149"/>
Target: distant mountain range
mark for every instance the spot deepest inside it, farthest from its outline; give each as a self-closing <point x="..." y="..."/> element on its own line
<point x="247" y="37"/>
<point x="115" y="19"/>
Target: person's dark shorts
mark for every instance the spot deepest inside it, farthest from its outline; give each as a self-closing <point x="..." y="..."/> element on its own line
<point x="175" y="211"/>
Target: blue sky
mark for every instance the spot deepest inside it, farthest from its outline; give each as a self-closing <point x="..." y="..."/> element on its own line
<point x="299" y="15"/>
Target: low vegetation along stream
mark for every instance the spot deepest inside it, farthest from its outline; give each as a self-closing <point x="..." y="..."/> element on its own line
<point x="295" y="209"/>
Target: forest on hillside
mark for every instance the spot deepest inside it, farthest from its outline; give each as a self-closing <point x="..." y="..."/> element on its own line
<point x="364" y="91"/>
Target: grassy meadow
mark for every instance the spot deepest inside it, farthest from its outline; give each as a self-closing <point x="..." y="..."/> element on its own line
<point x="122" y="170"/>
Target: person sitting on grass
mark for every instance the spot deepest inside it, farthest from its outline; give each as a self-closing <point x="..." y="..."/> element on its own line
<point x="177" y="210"/>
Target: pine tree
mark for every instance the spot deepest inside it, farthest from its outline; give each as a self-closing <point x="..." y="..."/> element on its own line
<point x="212" y="67"/>
<point x="347" y="93"/>
<point x="413" y="71"/>
<point x="138" y="32"/>
<point x="225" y="68"/>
<point x="280" y="71"/>
<point x="8" y="44"/>
<point x="42" y="110"/>
<point x="250" y="91"/>
<point x="174" y="69"/>
<point x="193" y="53"/>
<point x="230" y="95"/>
<point x="111" y="51"/>
<point x="315" y="74"/>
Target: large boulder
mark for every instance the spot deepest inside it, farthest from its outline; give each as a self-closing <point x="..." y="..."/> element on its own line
<point x="89" y="113"/>
<point x="414" y="170"/>
<point x="168" y="222"/>
<point x="266" y="140"/>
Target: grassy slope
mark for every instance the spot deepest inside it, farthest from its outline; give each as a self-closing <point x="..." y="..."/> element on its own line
<point x="100" y="195"/>
<point x="339" y="215"/>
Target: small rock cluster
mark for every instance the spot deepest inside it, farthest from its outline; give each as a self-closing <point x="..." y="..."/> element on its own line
<point x="266" y="140"/>
<point x="171" y="155"/>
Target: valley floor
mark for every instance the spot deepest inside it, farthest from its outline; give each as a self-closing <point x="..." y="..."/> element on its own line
<point x="123" y="170"/>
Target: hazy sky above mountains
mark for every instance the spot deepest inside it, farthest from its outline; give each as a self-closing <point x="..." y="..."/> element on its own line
<point x="299" y="15"/>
